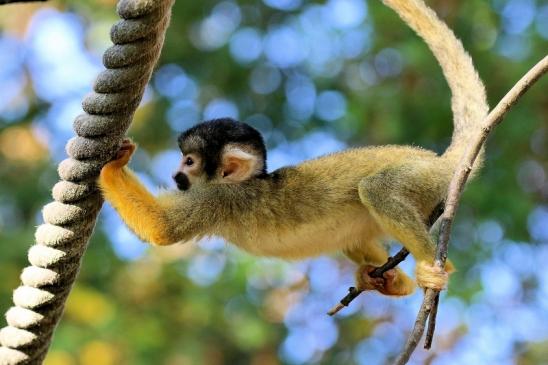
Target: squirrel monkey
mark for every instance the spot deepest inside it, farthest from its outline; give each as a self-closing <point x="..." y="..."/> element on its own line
<point x="346" y="201"/>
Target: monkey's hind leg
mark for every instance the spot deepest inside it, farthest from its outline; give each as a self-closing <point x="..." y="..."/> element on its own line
<point x="370" y="256"/>
<point x="391" y="197"/>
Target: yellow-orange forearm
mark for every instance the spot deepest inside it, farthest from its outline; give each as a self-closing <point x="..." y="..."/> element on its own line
<point x="138" y="208"/>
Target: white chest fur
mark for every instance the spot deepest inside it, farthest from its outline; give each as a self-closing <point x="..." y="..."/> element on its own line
<point x="329" y="234"/>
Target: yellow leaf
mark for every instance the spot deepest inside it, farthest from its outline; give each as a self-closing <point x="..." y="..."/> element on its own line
<point x="89" y="306"/>
<point x="99" y="353"/>
<point x="19" y="144"/>
<point x="59" y="358"/>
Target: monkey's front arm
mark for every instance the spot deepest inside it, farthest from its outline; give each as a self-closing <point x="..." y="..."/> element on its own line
<point x="146" y="215"/>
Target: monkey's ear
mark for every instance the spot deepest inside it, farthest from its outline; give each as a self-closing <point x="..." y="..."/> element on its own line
<point x="239" y="165"/>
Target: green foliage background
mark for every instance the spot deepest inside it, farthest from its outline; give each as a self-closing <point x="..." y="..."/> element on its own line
<point x="147" y="310"/>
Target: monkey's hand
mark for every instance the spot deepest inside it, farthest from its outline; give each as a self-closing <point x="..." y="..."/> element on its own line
<point x="394" y="282"/>
<point x="149" y="217"/>
<point x="431" y="276"/>
<point x="123" y="155"/>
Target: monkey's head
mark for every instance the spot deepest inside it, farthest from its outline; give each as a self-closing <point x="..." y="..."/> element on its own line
<point x="220" y="150"/>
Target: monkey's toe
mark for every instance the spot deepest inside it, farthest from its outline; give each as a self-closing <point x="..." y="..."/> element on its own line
<point x="393" y="282"/>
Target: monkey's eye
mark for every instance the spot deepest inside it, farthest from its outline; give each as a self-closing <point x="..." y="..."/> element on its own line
<point x="189" y="161"/>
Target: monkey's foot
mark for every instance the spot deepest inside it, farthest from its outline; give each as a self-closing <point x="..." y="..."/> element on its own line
<point x="394" y="282"/>
<point x="432" y="277"/>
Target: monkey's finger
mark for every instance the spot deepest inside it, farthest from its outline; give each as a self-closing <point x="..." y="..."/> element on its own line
<point x="128" y="143"/>
<point x="390" y="274"/>
<point x="120" y="154"/>
<point x="366" y="282"/>
<point x="127" y="147"/>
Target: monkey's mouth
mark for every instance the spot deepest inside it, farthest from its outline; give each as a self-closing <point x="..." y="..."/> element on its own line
<point x="182" y="187"/>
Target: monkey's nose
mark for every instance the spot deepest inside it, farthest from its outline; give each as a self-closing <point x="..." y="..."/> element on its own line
<point x="181" y="180"/>
<point x="179" y="177"/>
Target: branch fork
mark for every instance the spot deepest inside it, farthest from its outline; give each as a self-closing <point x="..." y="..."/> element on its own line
<point x="429" y="308"/>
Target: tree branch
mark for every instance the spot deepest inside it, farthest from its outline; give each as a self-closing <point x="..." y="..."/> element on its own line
<point x="453" y="195"/>
<point x="391" y="263"/>
<point x="353" y="293"/>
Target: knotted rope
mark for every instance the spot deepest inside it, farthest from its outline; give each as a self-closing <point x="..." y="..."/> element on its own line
<point x="69" y="220"/>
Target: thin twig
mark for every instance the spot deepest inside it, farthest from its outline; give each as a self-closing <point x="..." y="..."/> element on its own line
<point x="454" y="192"/>
<point x="378" y="272"/>
<point x="352" y="294"/>
<point x="391" y="263"/>
<point x="418" y="329"/>
<point x="431" y="323"/>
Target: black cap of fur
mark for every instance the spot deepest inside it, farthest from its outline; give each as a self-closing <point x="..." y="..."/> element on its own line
<point x="209" y="138"/>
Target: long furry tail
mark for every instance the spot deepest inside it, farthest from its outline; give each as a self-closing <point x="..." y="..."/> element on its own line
<point x="468" y="102"/>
